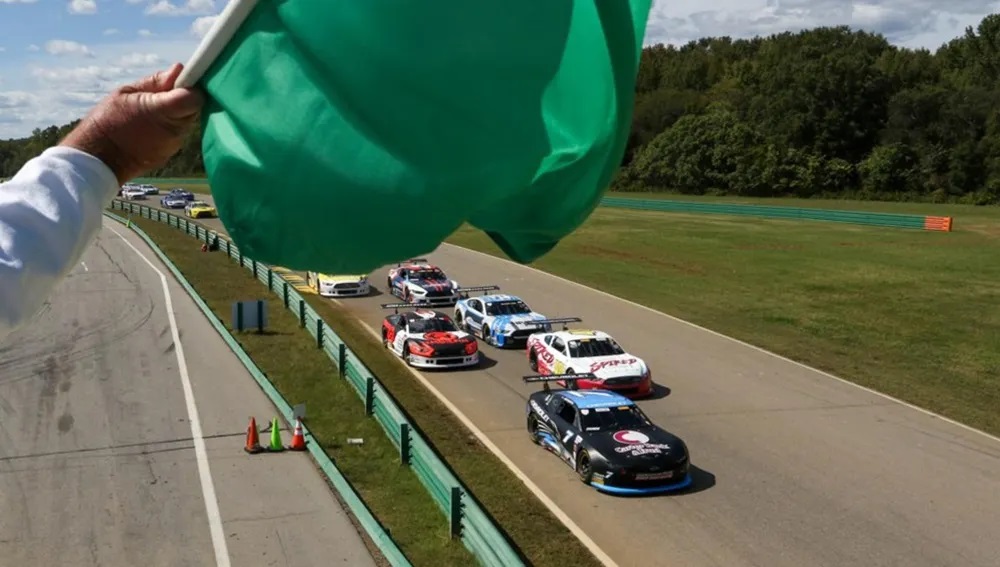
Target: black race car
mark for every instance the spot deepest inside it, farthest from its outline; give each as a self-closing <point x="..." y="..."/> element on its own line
<point x="427" y="339"/>
<point x="606" y="438"/>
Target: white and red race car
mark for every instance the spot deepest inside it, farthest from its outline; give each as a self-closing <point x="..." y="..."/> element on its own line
<point x="427" y="339"/>
<point x="579" y="351"/>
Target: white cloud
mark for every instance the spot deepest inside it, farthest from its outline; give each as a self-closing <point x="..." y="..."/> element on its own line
<point x="145" y="33"/>
<point x="110" y="31"/>
<point x="82" y="7"/>
<point x="33" y="47"/>
<point x="66" y="47"/>
<point x="201" y="25"/>
<point x="913" y="23"/>
<point x="139" y="60"/>
<point x="2" y="49"/>
<point x="188" y="8"/>
<point x="18" y="1"/>
<point x="15" y="99"/>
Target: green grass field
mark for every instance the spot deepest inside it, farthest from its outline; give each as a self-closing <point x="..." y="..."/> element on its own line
<point x="910" y="313"/>
<point x="302" y="372"/>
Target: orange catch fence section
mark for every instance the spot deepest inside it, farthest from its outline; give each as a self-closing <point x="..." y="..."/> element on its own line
<point x="937" y="223"/>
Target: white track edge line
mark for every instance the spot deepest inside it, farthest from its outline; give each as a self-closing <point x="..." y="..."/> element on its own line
<point x="201" y="454"/>
<point x="738" y="341"/>
<point x="576" y="530"/>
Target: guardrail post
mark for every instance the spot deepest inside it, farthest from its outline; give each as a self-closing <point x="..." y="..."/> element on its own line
<point x="342" y="360"/>
<point x="404" y="443"/>
<point x="369" y="395"/>
<point x="319" y="333"/>
<point x="284" y="294"/>
<point x="456" y="512"/>
<point x="270" y="280"/>
<point x="302" y="313"/>
<point x="241" y="258"/>
<point x="253" y="265"/>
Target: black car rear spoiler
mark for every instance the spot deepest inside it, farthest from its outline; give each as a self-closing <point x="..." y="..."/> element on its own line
<point x="397" y="306"/>
<point x="558" y="320"/>
<point x="570" y="379"/>
<point x="413" y="261"/>
<point x="465" y="291"/>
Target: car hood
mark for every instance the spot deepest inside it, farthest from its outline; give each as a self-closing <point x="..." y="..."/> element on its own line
<point x="646" y="446"/>
<point x="519" y="321"/>
<point x="342" y="278"/>
<point x="432" y="285"/>
<point x="614" y="366"/>
<point x="443" y="337"/>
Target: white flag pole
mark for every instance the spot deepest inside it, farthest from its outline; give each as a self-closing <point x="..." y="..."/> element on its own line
<point x="223" y="30"/>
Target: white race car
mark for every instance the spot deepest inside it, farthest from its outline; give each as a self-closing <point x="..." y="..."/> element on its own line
<point x="133" y="193"/>
<point x="577" y="351"/>
<point x="501" y="319"/>
<point x="338" y="285"/>
<point x="427" y="339"/>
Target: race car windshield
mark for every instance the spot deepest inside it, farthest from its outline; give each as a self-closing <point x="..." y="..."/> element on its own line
<point x="613" y="418"/>
<point x="199" y="204"/>
<point x="594" y="347"/>
<point x="418" y="326"/>
<point x="507" y="308"/>
<point x="427" y="275"/>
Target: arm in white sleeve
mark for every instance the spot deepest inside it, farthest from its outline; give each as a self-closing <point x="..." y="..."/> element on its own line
<point x="49" y="214"/>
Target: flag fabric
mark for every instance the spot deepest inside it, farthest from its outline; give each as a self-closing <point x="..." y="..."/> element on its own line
<point x="344" y="135"/>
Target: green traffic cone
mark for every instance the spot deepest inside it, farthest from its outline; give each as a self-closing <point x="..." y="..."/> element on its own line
<point x="276" y="445"/>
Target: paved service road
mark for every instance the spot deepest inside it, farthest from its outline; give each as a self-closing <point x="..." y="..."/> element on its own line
<point x="98" y="464"/>
<point x="797" y="468"/>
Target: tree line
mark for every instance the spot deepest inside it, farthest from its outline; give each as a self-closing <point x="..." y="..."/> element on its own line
<point x="828" y="112"/>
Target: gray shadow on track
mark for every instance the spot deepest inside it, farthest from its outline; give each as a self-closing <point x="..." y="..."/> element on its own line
<point x="659" y="392"/>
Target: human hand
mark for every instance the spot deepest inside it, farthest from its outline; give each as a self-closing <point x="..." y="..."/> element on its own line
<point x="138" y="127"/>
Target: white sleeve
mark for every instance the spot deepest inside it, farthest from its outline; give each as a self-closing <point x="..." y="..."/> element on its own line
<point x="49" y="214"/>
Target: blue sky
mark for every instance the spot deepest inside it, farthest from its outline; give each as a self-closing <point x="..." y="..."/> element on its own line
<point x="58" y="57"/>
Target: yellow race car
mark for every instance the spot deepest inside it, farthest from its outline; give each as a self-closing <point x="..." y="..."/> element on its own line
<point x="200" y="209"/>
<point x="339" y="285"/>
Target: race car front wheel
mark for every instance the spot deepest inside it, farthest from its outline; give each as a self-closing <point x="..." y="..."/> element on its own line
<point x="533" y="429"/>
<point x="584" y="469"/>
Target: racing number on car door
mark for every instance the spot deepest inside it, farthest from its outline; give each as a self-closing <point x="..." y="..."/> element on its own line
<point x="397" y="343"/>
<point x="568" y="437"/>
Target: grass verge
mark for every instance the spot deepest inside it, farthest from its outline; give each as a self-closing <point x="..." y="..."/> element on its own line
<point x="540" y="536"/>
<point x="289" y="358"/>
<point x="909" y="313"/>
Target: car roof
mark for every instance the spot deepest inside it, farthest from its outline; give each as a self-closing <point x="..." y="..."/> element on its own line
<point x="497" y="298"/>
<point x="420" y="267"/>
<point x="577" y="334"/>
<point x="592" y="399"/>
<point x="423" y="314"/>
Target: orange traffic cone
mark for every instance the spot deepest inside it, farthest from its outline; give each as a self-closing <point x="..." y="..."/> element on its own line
<point x="253" y="438"/>
<point x="298" y="439"/>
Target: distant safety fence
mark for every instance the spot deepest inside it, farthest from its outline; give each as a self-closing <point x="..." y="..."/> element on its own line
<point x="466" y="517"/>
<point x="791" y="213"/>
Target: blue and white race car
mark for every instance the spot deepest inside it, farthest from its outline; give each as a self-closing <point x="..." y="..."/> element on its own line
<point x="501" y="319"/>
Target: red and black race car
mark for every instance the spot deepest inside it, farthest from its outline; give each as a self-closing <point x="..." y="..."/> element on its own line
<point x="427" y="339"/>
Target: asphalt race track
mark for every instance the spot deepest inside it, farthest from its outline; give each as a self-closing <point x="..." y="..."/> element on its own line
<point x="795" y="467"/>
<point x="98" y="459"/>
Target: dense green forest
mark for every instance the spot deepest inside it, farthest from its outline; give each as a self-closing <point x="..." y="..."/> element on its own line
<point x="826" y="112"/>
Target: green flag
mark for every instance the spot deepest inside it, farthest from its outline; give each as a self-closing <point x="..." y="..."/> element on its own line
<point x="343" y="135"/>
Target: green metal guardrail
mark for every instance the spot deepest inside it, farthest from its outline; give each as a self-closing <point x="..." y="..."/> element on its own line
<point x="467" y="519"/>
<point x="792" y="213"/>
